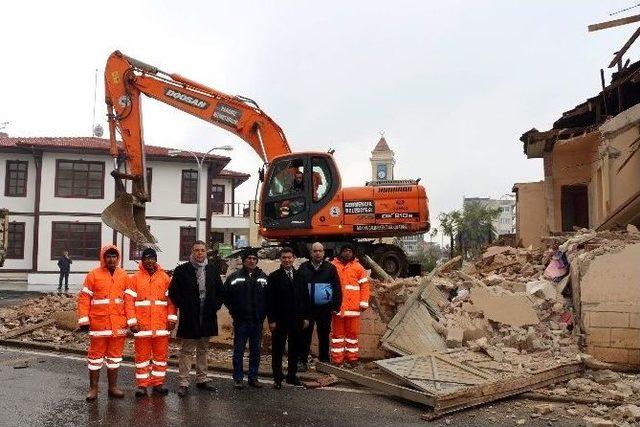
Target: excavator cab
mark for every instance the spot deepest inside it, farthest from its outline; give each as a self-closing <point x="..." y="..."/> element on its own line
<point x="295" y="187"/>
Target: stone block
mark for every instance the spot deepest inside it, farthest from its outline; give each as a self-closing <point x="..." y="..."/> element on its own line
<point x="634" y="321"/>
<point x="608" y="319"/>
<point x="625" y="338"/>
<point x="542" y="289"/>
<point x="599" y="336"/>
<point x="607" y="354"/>
<point x="455" y="336"/>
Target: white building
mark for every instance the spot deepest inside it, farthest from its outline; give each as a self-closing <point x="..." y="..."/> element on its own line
<point x="505" y="223"/>
<point x="56" y="188"/>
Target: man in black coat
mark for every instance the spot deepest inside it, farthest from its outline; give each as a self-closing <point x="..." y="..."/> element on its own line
<point x="64" y="264"/>
<point x="245" y="297"/>
<point x="325" y="294"/>
<point x="289" y="313"/>
<point x="196" y="290"/>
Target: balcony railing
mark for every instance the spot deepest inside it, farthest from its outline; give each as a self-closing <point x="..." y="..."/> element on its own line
<point x="230" y="209"/>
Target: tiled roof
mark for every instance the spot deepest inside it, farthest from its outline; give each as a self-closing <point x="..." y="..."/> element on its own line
<point x="234" y="174"/>
<point x="382" y="145"/>
<point x="90" y="143"/>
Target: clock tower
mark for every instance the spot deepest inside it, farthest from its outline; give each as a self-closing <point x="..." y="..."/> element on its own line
<point x="382" y="161"/>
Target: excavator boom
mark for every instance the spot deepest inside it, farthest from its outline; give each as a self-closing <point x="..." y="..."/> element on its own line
<point x="126" y="79"/>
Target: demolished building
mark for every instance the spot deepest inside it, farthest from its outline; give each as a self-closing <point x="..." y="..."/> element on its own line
<point x="591" y="166"/>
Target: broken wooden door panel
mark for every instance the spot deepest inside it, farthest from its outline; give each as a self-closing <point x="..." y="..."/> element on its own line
<point x="433" y="373"/>
<point x="411" y="329"/>
<point x="414" y="334"/>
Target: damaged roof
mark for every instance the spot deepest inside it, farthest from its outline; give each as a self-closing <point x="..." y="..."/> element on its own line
<point x="622" y="93"/>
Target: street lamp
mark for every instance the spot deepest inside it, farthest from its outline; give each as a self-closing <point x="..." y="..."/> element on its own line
<point x="199" y="161"/>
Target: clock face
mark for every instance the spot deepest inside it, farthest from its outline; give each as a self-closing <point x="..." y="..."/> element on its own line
<point x="382" y="171"/>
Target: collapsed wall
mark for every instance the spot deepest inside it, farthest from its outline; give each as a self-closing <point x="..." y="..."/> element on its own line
<point x="610" y="304"/>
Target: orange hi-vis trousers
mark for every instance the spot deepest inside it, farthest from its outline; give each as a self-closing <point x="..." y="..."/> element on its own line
<point x="344" y="339"/>
<point x="105" y="350"/>
<point x="151" y="360"/>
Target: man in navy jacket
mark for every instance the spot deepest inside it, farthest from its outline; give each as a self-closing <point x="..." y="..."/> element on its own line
<point x="245" y="294"/>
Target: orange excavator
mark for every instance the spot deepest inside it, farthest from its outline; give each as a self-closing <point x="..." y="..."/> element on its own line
<point x="301" y="196"/>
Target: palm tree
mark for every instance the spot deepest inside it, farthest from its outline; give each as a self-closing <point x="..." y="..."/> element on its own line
<point x="476" y="228"/>
<point x="448" y="224"/>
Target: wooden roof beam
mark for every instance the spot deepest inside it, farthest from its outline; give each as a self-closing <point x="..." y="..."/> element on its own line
<point x="624" y="49"/>
<point x="614" y="23"/>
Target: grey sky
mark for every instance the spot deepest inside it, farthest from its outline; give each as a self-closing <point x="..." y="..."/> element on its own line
<point x="453" y="84"/>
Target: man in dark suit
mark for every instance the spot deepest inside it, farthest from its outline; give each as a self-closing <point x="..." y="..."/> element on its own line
<point x="288" y="312"/>
<point x="325" y="294"/>
<point x="196" y="290"/>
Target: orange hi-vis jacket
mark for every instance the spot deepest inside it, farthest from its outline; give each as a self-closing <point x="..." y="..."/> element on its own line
<point x="355" y="287"/>
<point x="101" y="300"/>
<point x="147" y="303"/>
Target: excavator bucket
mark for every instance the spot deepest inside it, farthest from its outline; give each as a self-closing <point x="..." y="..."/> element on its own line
<point x="127" y="216"/>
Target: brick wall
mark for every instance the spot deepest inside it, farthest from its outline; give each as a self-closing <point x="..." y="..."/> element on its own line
<point x="613" y="333"/>
<point x="610" y="302"/>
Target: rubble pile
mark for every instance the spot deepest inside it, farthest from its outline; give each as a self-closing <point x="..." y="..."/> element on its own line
<point x="390" y="296"/>
<point x="516" y="307"/>
<point x="34" y="311"/>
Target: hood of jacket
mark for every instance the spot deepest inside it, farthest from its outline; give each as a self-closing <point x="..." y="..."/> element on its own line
<point x="104" y="250"/>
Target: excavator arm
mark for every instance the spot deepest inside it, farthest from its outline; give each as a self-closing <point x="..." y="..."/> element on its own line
<point x="125" y="79"/>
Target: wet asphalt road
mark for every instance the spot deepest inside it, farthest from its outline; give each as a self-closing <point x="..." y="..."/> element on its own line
<point x="51" y="390"/>
<point x="48" y="389"/>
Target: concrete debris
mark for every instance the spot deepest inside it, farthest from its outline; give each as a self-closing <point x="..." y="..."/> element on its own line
<point x="628" y="412"/>
<point x="605" y="376"/>
<point x="632" y="229"/>
<point x="34" y="311"/>
<point x="454" y="337"/>
<point x="504" y="307"/>
<point x="542" y="289"/>
<point x="597" y="422"/>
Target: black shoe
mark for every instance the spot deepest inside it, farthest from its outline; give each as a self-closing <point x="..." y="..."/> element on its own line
<point x="141" y="392"/>
<point x="206" y="386"/>
<point x="158" y="389"/>
<point x="255" y="384"/>
<point x="293" y="381"/>
<point x="277" y="385"/>
<point x="59" y="290"/>
<point x="183" y="390"/>
<point x="302" y="367"/>
<point x="238" y="384"/>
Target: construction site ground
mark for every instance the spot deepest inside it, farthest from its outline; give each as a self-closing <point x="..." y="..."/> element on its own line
<point x="25" y="402"/>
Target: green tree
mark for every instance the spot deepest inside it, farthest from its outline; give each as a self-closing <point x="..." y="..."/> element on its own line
<point x="449" y="222"/>
<point x="475" y="228"/>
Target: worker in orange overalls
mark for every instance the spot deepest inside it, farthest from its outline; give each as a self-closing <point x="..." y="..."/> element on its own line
<point x="151" y="316"/>
<point x="101" y="313"/>
<point x="345" y="327"/>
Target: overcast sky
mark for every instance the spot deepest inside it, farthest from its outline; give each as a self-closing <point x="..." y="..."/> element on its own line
<point x="452" y="84"/>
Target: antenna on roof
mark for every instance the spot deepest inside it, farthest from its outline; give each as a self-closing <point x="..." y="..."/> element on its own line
<point x="95" y="130"/>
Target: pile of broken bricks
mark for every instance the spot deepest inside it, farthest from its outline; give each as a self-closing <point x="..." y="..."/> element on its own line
<point x="515" y="307"/>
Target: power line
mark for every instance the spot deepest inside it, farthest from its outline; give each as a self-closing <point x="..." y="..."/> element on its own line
<point x="625" y="9"/>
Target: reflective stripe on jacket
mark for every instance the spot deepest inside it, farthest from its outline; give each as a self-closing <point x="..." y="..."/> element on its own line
<point x="101" y="300"/>
<point x="355" y="287"/>
<point x="147" y="302"/>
